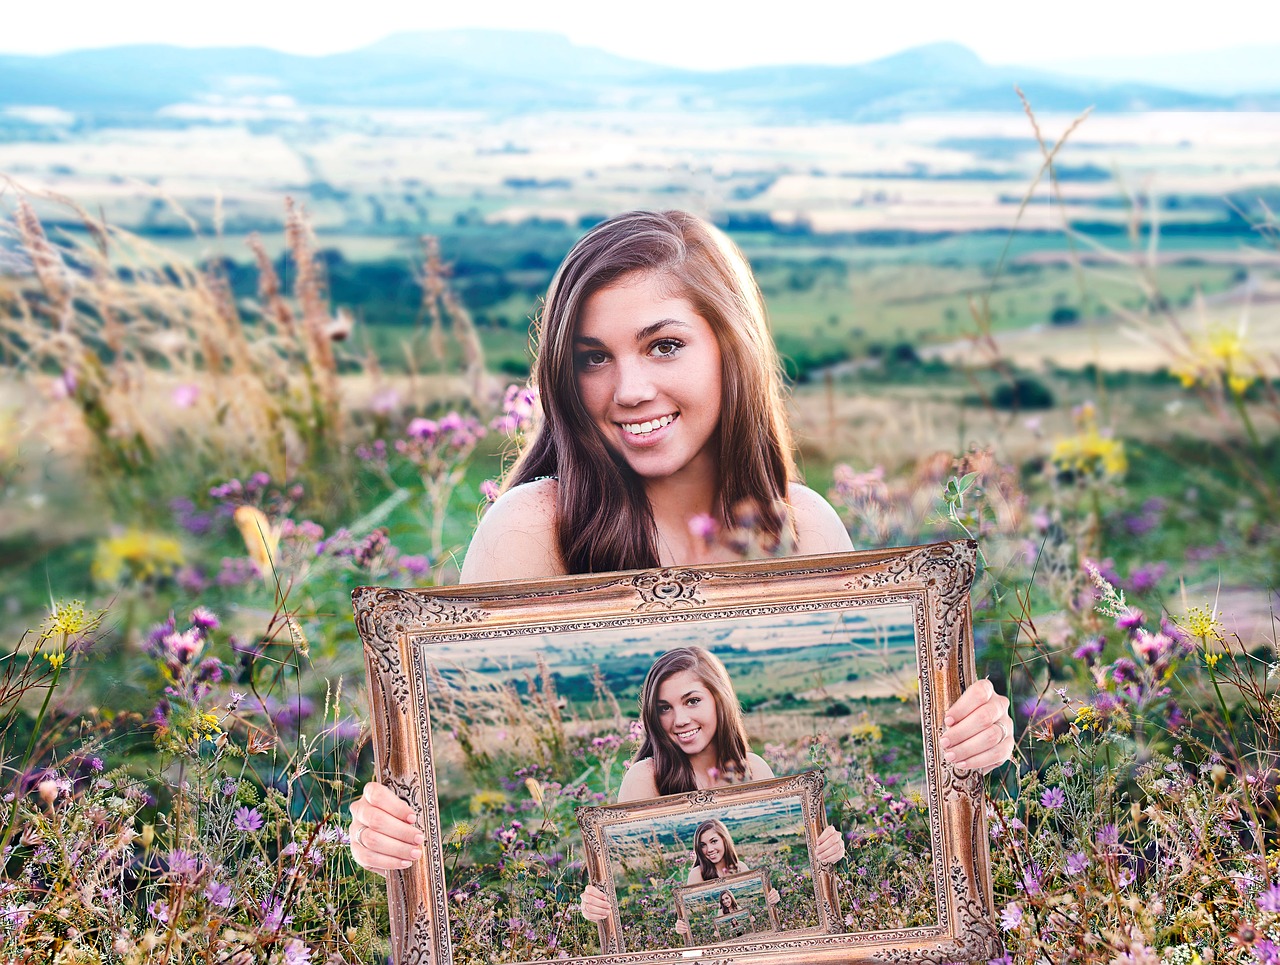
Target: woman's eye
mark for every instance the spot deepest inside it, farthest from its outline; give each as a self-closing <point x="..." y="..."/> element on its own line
<point x="693" y="701"/>
<point x="666" y="347"/>
<point x="589" y="359"/>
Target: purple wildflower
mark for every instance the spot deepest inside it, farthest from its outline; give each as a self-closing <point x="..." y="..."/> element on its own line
<point x="1076" y="863"/>
<point x="248" y="819"/>
<point x="424" y="429"/>
<point x="1090" y="650"/>
<point x="202" y="618"/>
<point x="296" y="953"/>
<point x="703" y="526"/>
<point x="1130" y="619"/>
<point x="1036" y="709"/>
<point x="274" y="917"/>
<point x="1267" y="952"/>
<point x="218" y="894"/>
<point x="1145" y="578"/>
<point x="1269" y="900"/>
<point x="1053" y="798"/>
<point x="489" y="490"/>
<point x="1011" y="916"/>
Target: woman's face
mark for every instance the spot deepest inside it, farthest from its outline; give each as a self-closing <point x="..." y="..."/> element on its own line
<point x="648" y="371"/>
<point x="711" y="845"/>
<point x="726" y="901"/>
<point x="687" y="712"/>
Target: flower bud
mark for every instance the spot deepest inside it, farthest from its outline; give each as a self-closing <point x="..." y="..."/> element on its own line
<point x="48" y="791"/>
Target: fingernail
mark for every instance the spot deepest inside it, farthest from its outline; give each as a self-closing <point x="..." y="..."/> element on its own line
<point x="417" y="853"/>
<point x="949" y="756"/>
<point x="950" y="721"/>
<point x="946" y="742"/>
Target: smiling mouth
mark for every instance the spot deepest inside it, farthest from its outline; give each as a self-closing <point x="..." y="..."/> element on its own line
<point x="684" y="737"/>
<point x="644" y="428"/>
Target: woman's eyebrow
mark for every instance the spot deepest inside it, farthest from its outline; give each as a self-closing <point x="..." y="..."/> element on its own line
<point x="645" y="333"/>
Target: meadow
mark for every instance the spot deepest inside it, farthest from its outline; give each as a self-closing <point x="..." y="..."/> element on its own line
<point x="204" y="446"/>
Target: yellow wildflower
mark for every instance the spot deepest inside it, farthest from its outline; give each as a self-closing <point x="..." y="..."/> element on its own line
<point x="483" y="801"/>
<point x="461" y="831"/>
<point x="56" y="659"/>
<point x="67" y="618"/>
<point x="1219" y="354"/>
<point x="866" y="731"/>
<point x="909" y="692"/>
<point x="1089" y="452"/>
<point x="1211" y="659"/>
<point x="1203" y="624"/>
<point x="139" y="555"/>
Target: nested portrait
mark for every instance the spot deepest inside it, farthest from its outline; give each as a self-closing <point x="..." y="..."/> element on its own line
<point x="734" y="907"/>
<point x="549" y="735"/>
<point x="735" y="862"/>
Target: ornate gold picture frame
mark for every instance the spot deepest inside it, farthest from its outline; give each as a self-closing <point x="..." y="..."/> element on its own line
<point x="771" y="826"/>
<point x="749" y="917"/>
<point x="501" y="711"/>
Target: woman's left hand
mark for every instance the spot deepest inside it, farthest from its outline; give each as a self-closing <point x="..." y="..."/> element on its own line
<point x="979" y="729"/>
<point x="830" y="848"/>
<point x="773" y="897"/>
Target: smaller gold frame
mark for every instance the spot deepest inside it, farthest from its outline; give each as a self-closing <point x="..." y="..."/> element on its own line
<point x="731" y="883"/>
<point x="600" y="824"/>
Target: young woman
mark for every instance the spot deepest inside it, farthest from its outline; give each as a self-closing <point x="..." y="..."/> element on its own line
<point x="694" y="733"/>
<point x="695" y="737"/>
<point x="662" y="400"/>
<point x="728" y="908"/>
<point x="714" y="853"/>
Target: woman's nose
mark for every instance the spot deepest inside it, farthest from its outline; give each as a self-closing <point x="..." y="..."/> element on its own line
<point x="634" y="385"/>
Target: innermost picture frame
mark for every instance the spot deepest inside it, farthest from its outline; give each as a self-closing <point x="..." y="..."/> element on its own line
<point x="501" y="711"/>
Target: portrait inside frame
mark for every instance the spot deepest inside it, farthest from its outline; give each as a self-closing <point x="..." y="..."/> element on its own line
<point x="508" y="714"/>
<point x="651" y="856"/>
<point x="736" y="907"/>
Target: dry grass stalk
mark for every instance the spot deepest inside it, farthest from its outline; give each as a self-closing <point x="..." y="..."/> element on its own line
<point x="440" y="302"/>
<point x="127" y="324"/>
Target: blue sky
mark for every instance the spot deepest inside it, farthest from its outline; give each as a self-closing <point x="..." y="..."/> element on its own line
<point x="710" y="35"/>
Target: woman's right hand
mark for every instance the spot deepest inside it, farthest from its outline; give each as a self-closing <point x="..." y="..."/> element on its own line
<point x="388" y="838"/>
<point x="595" y="904"/>
<point x="682" y="927"/>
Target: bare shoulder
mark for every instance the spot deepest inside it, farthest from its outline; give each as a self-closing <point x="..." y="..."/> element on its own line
<point x="638" y="784"/>
<point x="516" y="537"/>
<point x="759" y="768"/>
<point x="818" y="526"/>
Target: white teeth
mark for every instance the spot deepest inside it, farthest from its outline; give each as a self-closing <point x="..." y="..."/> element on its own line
<point x="644" y="428"/>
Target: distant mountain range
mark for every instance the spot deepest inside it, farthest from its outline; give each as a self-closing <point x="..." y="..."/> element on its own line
<point x="516" y="72"/>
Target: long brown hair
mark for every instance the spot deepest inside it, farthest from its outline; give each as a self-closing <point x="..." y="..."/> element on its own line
<point x="672" y="772"/>
<point x="598" y="534"/>
<point x="705" y="865"/>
